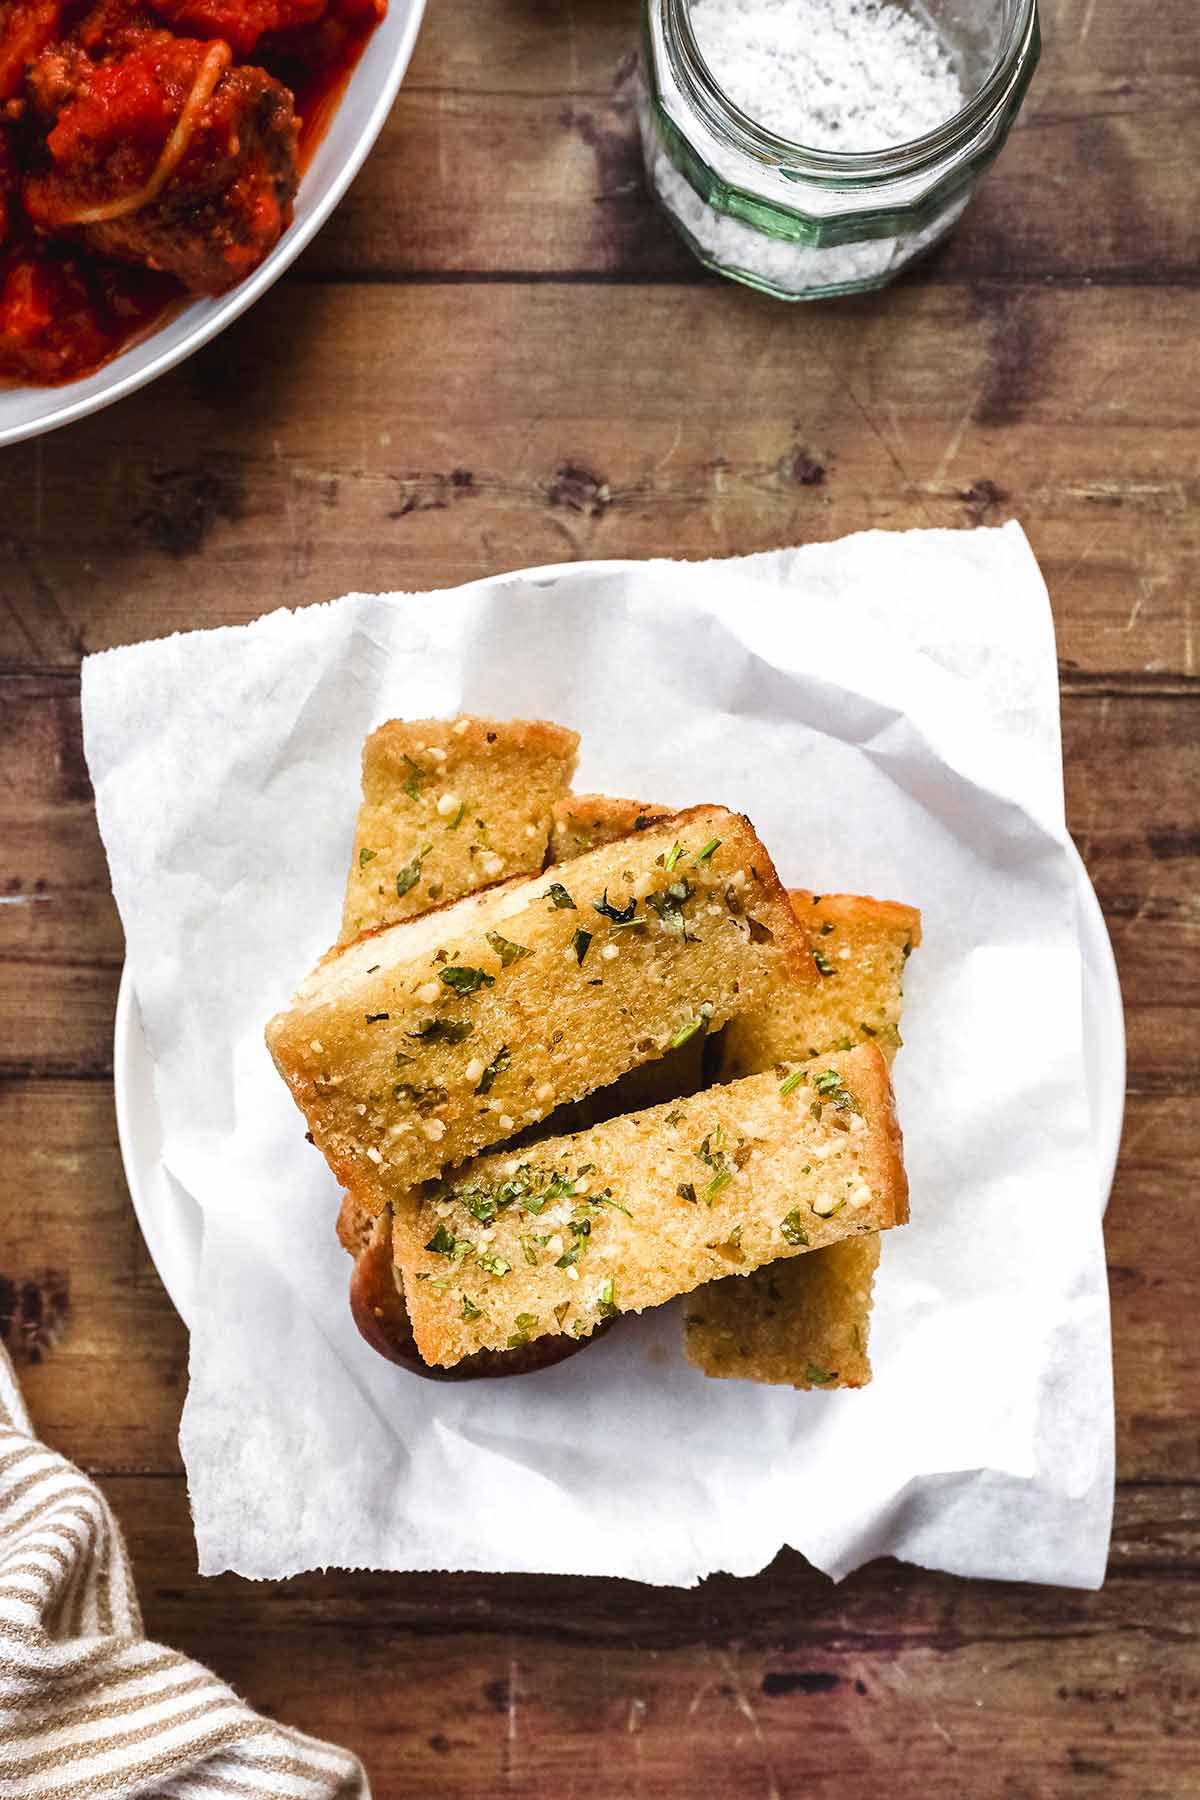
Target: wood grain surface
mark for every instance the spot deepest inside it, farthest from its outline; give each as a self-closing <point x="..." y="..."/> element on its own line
<point x="496" y="355"/>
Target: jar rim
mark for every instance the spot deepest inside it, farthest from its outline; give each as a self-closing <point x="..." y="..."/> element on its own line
<point x="728" y="120"/>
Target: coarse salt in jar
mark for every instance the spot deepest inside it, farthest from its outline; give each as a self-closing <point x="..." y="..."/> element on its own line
<point x="815" y="147"/>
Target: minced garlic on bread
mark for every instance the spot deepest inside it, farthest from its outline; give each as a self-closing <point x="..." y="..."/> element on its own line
<point x="429" y="1040"/>
<point x="800" y="1324"/>
<point x="448" y="806"/>
<point x="583" y="822"/>
<point x="781" y="1324"/>
<point x="649" y="1205"/>
<point x="859" y="946"/>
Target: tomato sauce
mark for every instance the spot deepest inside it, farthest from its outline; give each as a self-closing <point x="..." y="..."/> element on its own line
<point x="150" y="151"/>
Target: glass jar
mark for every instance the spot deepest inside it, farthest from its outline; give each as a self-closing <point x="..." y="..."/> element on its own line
<point x="807" y="224"/>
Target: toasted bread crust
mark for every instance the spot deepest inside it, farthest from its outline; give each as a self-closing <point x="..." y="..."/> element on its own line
<point x="896" y="1179"/>
<point x="344" y="945"/>
<point x="356" y="1224"/>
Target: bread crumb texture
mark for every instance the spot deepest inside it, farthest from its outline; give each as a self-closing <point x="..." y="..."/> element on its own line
<point x="649" y="1205"/>
<point x="584" y="822"/>
<point x="803" y="1325"/>
<point x="430" y="1040"/>
<point x="448" y="806"/>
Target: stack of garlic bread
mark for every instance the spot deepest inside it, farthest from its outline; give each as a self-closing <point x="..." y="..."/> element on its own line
<point x="591" y="1057"/>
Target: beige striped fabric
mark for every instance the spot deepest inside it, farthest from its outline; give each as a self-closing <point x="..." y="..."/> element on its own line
<point x="88" y="1709"/>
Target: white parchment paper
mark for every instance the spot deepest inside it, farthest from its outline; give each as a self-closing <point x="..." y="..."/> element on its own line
<point x="886" y="710"/>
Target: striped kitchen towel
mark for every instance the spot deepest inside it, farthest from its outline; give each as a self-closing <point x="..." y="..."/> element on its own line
<point x="88" y="1709"/>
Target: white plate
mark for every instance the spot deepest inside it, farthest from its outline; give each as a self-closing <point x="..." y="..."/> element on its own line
<point x="28" y="411"/>
<point x="171" y="1220"/>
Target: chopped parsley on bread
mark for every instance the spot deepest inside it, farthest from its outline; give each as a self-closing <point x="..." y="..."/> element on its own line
<point x="807" y="1324"/>
<point x="449" y="806"/>
<point x="515" y="1246"/>
<point x="429" y="1040"/>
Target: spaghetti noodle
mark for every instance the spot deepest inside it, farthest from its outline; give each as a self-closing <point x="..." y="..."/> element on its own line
<point x="218" y="58"/>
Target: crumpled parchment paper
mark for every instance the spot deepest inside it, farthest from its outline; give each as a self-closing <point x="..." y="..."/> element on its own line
<point x="886" y="710"/>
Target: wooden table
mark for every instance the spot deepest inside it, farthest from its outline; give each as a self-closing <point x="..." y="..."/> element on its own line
<point x="495" y="356"/>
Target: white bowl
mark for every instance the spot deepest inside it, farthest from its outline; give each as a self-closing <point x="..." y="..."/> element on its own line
<point x="28" y="411"/>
